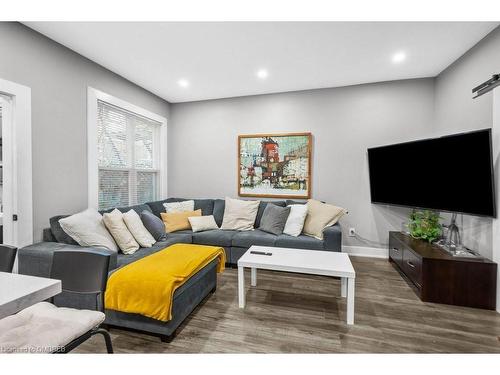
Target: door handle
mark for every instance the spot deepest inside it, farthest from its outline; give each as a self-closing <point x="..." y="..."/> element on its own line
<point x="410" y="264"/>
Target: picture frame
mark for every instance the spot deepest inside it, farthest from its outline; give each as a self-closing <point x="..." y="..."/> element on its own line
<point x="275" y="165"/>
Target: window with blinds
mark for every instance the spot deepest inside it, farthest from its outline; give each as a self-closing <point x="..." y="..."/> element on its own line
<point x="127" y="157"/>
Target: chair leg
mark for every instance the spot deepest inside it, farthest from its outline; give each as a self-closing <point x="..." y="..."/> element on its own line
<point x="107" y="338"/>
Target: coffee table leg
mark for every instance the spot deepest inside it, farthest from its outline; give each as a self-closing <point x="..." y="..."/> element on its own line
<point x="253" y="278"/>
<point x="350" y="300"/>
<point x="241" y="287"/>
<point x="343" y="286"/>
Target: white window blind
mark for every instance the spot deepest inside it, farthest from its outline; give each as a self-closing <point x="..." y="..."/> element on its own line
<point x="127" y="157"/>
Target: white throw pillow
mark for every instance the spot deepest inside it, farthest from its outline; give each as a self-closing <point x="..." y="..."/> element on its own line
<point x="87" y="229"/>
<point x="183" y="206"/>
<point x="201" y="223"/>
<point x="116" y="226"/>
<point x="295" y="221"/>
<point x="136" y="227"/>
<point x="239" y="214"/>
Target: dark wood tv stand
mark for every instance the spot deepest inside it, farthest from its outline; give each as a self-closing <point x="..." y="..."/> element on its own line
<point x="442" y="278"/>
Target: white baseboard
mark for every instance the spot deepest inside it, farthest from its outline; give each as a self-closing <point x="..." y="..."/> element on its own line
<point x="370" y="252"/>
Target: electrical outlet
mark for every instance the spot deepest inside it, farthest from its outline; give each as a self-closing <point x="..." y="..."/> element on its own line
<point x="352" y="232"/>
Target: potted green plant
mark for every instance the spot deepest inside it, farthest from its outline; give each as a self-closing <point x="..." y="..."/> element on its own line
<point x="425" y="225"/>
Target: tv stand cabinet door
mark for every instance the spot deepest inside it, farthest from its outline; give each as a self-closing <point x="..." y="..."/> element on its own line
<point x="396" y="251"/>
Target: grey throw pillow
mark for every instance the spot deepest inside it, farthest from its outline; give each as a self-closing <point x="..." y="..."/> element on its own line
<point x="274" y="219"/>
<point x="154" y="225"/>
<point x="58" y="232"/>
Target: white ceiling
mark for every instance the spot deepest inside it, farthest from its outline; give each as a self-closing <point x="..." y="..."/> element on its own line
<point x="221" y="59"/>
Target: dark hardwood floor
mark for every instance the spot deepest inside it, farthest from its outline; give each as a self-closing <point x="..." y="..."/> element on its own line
<point x="289" y="313"/>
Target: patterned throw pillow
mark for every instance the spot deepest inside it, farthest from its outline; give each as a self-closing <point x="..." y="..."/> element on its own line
<point x="179" y="206"/>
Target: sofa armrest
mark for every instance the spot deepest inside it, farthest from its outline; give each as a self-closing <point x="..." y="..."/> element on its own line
<point x="332" y="237"/>
<point x="36" y="259"/>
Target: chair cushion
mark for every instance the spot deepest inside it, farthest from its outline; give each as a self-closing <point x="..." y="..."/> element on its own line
<point x="43" y="328"/>
<point x="216" y="237"/>
<point x="299" y="242"/>
<point x="253" y="237"/>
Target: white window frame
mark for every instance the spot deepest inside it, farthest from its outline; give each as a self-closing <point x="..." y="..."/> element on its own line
<point x="93" y="96"/>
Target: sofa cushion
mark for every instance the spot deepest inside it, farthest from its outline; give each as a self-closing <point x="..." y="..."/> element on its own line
<point x="262" y="207"/>
<point x="184" y="236"/>
<point x="300" y="242"/>
<point x="253" y="237"/>
<point x="216" y="237"/>
<point x="124" y="259"/>
<point x="218" y="212"/>
<point x="59" y="234"/>
<point x="157" y="206"/>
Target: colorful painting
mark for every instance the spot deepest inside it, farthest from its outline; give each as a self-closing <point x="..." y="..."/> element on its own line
<point x="274" y="165"/>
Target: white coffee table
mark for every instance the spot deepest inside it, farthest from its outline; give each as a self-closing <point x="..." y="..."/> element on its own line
<point x="326" y="263"/>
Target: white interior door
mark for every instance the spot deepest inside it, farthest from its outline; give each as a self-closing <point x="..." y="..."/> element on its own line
<point x="9" y="198"/>
<point x="17" y="198"/>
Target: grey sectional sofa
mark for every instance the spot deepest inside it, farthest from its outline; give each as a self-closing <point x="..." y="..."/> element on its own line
<point x="36" y="259"/>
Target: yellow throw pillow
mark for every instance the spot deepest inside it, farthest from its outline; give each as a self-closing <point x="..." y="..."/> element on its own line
<point x="178" y="220"/>
<point x="319" y="216"/>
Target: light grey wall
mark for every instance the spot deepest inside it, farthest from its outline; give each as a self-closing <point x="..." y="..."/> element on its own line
<point x="58" y="79"/>
<point x="456" y="111"/>
<point x="344" y="123"/>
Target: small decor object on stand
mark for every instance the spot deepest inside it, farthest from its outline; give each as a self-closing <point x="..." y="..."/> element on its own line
<point x="425" y="225"/>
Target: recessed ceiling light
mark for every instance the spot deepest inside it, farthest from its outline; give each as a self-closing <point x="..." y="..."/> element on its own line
<point x="183" y="82"/>
<point x="398" y="57"/>
<point x="262" y="73"/>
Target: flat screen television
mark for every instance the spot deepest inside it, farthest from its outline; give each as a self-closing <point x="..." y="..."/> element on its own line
<point x="452" y="173"/>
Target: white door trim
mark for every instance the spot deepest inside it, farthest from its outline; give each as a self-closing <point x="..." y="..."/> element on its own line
<point x="93" y="96"/>
<point x="18" y="145"/>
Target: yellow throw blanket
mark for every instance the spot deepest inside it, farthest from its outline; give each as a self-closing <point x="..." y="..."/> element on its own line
<point x="147" y="286"/>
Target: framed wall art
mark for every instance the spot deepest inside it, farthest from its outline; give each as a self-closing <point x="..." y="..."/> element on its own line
<point x="275" y="165"/>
